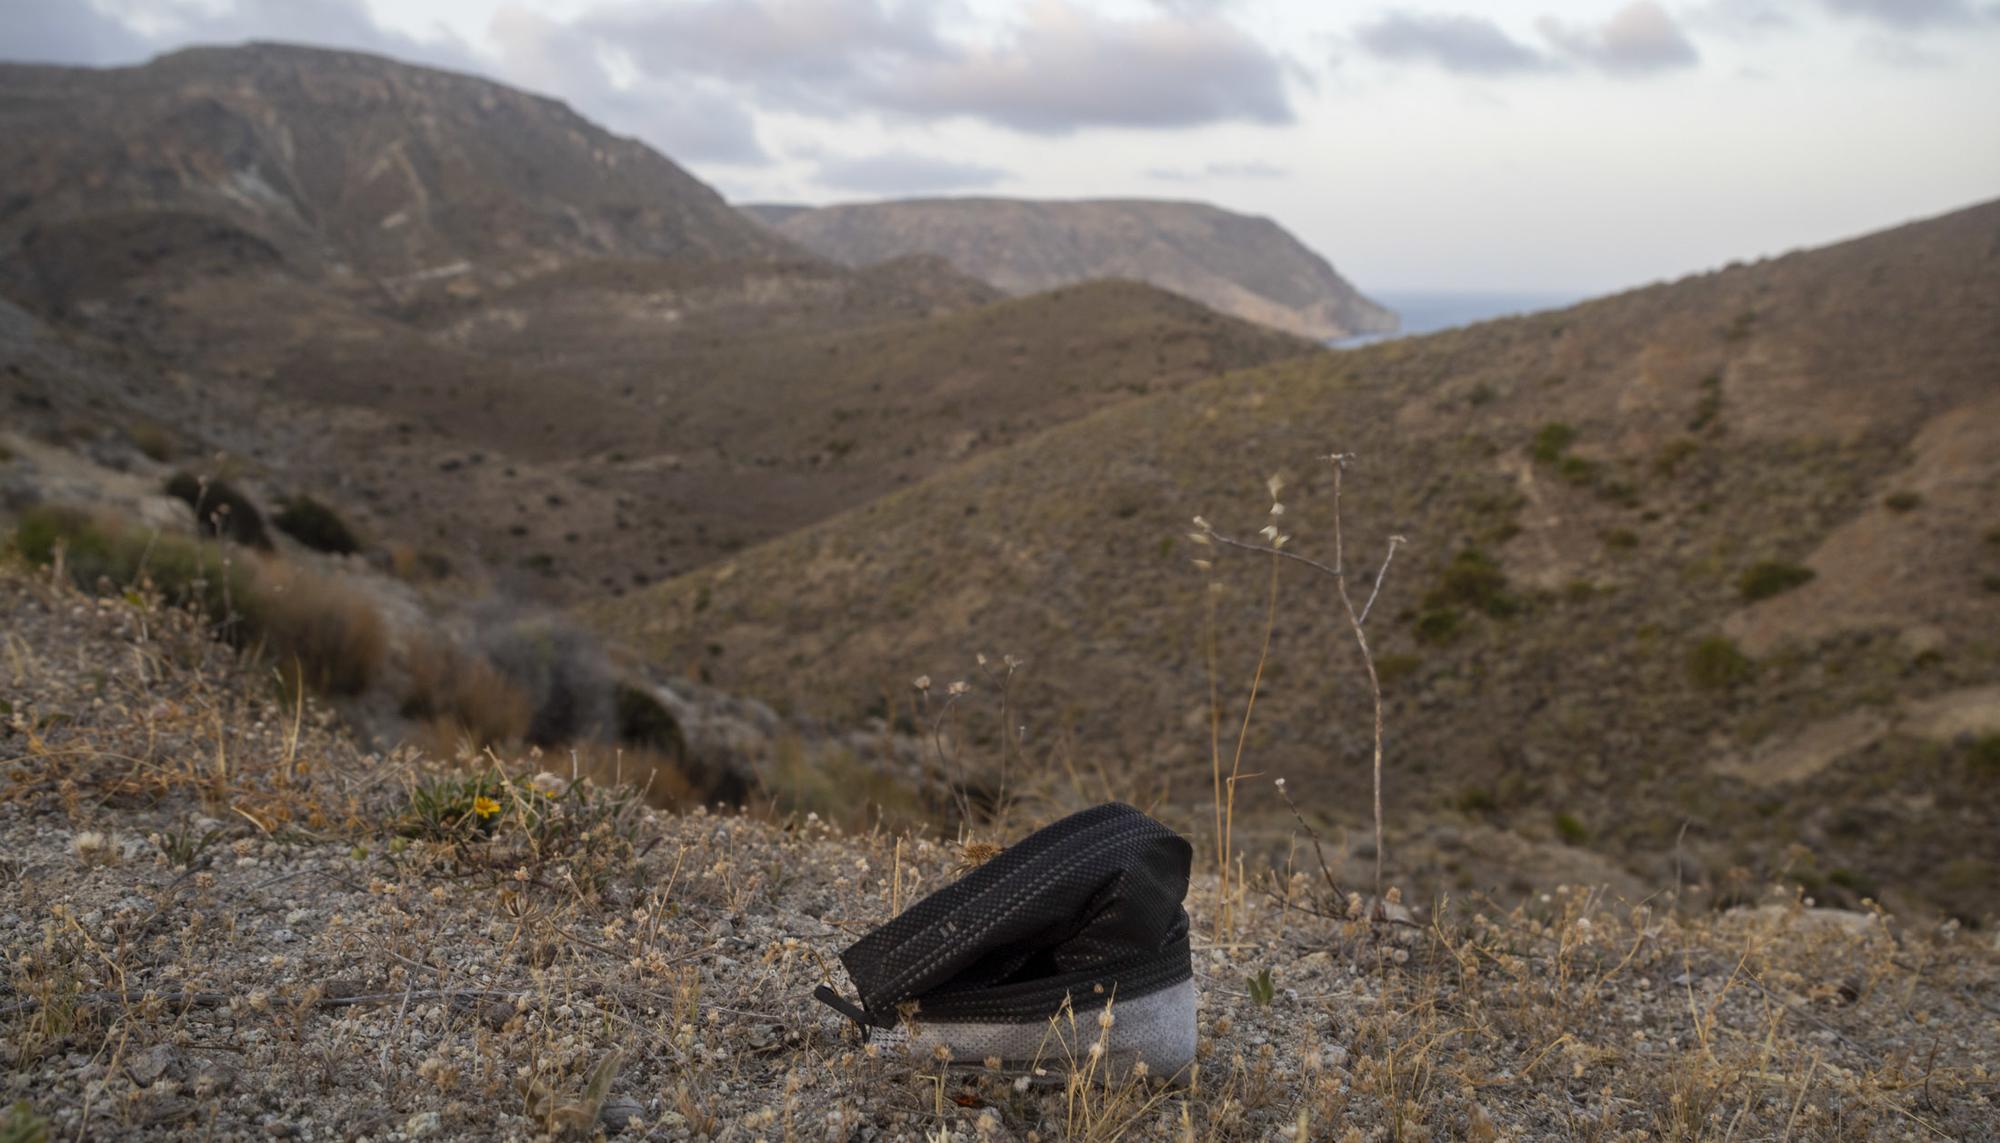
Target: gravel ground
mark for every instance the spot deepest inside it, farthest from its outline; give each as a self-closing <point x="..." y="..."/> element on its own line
<point x="221" y="918"/>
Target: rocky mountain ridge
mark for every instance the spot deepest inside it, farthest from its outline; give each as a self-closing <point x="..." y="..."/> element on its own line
<point x="1246" y="266"/>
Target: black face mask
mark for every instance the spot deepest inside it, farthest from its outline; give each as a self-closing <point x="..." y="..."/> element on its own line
<point x="1088" y="906"/>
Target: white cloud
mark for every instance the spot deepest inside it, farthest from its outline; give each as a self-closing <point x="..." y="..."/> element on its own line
<point x="1640" y="39"/>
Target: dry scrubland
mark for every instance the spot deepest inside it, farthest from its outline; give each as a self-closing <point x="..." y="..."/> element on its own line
<point x="223" y="918"/>
<point x="1703" y="581"/>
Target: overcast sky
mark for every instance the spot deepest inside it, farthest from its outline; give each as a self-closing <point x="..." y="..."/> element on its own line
<point x="1569" y="146"/>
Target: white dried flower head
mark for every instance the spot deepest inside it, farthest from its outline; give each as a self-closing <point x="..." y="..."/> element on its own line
<point x="1198" y="537"/>
<point x="1277" y="509"/>
<point x="1280" y="783"/>
<point x="1268" y="531"/>
<point x="961" y="687"/>
<point x="1013" y="663"/>
<point x="922" y="683"/>
<point x="1140" y="1070"/>
<point x="1203" y="524"/>
<point x="980" y="658"/>
<point x="1204" y="565"/>
<point x="1097" y="1050"/>
<point x="1105" y="1019"/>
<point x="1276" y="484"/>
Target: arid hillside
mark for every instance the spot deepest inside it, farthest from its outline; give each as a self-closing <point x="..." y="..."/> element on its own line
<point x="1249" y="267"/>
<point x="496" y="336"/>
<point x="1700" y="585"/>
<point x="369" y="175"/>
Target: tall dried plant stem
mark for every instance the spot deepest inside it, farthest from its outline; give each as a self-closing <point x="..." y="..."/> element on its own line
<point x="1225" y="919"/>
<point x="1215" y="737"/>
<point x="1355" y="619"/>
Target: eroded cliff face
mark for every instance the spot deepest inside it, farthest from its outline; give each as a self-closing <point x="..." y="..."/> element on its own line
<point x="1249" y="267"/>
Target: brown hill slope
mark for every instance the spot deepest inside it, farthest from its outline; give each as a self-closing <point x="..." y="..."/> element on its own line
<point x="1598" y="500"/>
<point x="1240" y="265"/>
<point x="369" y="174"/>
<point x="568" y="364"/>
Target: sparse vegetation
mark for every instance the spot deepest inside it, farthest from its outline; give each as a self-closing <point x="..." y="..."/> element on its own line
<point x="1438" y="626"/>
<point x="1472" y="580"/>
<point x="469" y="699"/>
<point x="220" y="508"/>
<point x="153" y="440"/>
<point x="1571" y="829"/>
<point x="1551" y="442"/>
<point x="1708" y="407"/>
<point x="598" y="941"/>
<point x="316" y="526"/>
<point x="1767" y="578"/>
<point x="309" y="625"/>
<point x="1675" y="453"/>
<point x="1716" y="663"/>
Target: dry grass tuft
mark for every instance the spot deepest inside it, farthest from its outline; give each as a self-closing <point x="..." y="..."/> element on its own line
<point x="318" y="629"/>
<point x="462" y="697"/>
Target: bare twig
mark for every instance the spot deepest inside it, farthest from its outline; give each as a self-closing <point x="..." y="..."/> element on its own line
<point x="1332" y="886"/>
<point x="1356" y="620"/>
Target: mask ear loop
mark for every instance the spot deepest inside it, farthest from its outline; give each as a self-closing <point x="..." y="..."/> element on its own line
<point x="834" y="1000"/>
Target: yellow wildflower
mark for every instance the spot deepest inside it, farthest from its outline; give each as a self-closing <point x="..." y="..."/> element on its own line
<point x="485" y="807"/>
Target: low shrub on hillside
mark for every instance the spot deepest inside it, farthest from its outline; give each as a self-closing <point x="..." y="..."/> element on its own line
<point x="1717" y="663"/>
<point x="96" y="552"/>
<point x="152" y="440"/>
<point x="312" y="627"/>
<point x="644" y="720"/>
<point x="317" y="628"/>
<point x="1472" y="579"/>
<point x="473" y="701"/>
<point x="221" y="508"/>
<point x="316" y="526"/>
<point x="1552" y="441"/>
<point x="1772" y="577"/>
<point x="566" y="676"/>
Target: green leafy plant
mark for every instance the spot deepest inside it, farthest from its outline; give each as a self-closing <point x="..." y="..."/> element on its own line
<point x="182" y="847"/>
<point x="1262" y="989"/>
<point x="22" y="1125"/>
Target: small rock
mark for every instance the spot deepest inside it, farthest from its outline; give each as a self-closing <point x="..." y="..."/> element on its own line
<point x="278" y="1129"/>
<point x="618" y="1113"/>
<point x="213" y="1079"/>
<point x="497" y="1014"/>
<point x="423" y="1125"/>
<point x="147" y="1067"/>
